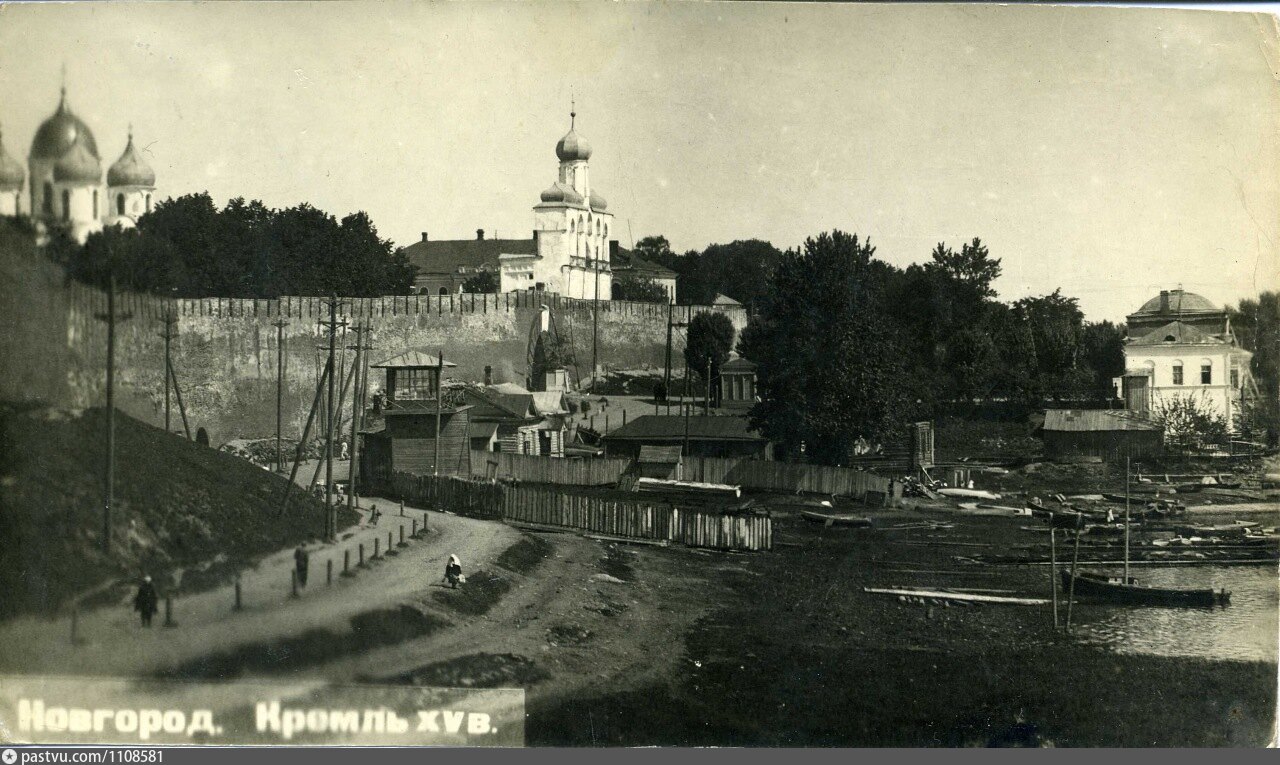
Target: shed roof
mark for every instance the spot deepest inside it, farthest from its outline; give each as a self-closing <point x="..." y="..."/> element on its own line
<point x="662" y="455"/>
<point x="412" y="360"/>
<point x="1093" y="420"/>
<point x="628" y="260"/>
<point x="448" y="255"/>
<point x="738" y="364"/>
<point x="723" y="299"/>
<point x="1182" y="334"/>
<point x="671" y="427"/>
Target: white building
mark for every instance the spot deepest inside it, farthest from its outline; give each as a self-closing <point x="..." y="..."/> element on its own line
<point x="65" y="179"/>
<point x="1180" y="346"/>
<point x="568" y="253"/>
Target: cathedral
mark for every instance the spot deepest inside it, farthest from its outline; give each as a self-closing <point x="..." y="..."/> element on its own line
<point x="65" y="188"/>
<point x="571" y="250"/>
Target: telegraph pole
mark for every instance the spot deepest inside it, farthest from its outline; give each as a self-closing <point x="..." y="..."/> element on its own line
<point x="595" y="326"/>
<point x="706" y="408"/>
<point x="111" y="318"/>
<point x="666" y="378"/>
<point x="331" y="520"/>
<point x="439" y="396"/>
<point x="357" y="409"/>
<point x="170" y="324"/>
<point x="280" y="324"/>
<point x="684" y="399"/>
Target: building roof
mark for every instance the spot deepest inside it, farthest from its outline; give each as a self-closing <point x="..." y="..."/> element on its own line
<point x="11" y="172"/>
<point x="449" y="255"/>
<point x="661" y="455"/>
<point x="723" y="299"/>
<point x="738" y="364"/>
<point x="548" y="402"/>
<point x="628" y="260"/>
<point x="572" y="147"/>
<point x="78" y="165"/>
<point x="1179" y="301"/>
<point x="131" y="169"/>
<point x="1094" y="420"/>
<point x="671" y="427"/>
<point x="484" y="430"/>
<point x="412" y="360"/>
<point x="1177" y="332"/>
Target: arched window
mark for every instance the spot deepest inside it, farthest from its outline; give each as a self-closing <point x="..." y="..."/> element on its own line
<point x="95" y="203"/>
<point x="1177" y="372"/>
<point x="597" y="227"/>
<point x="444" y="290"/>
<point x="119" y="204"/>
<point x="46" y="199"/>
<point x="606" y="229"/>
<point x="571" y="228"/>
<point x="1206" y="372"/>
<point x="66" y="204"/>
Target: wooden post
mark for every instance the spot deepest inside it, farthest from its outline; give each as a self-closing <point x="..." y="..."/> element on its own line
<point x="389" y="540"/>
<point x="239" y="603"/>
<point x="402" y="508"/>
<point x="293" y="583"/>
<point x="346" y="562"/>
<point x="306" y="433"/>
<point x="280" y="325"/>
<point x="168" y="612"/>
<point x="361" y="563"/>
<point x="1126" y="519"/>
<point x="375" y="548"/>
<point x="415" y="530"/>
<point x="1053" y="568"/>
<point x="328" y="571"/>
<point x="1075" y="560"/>
<point x="402" y="543"/>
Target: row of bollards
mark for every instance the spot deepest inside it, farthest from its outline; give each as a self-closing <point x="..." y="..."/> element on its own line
<point x="295" y="584"/>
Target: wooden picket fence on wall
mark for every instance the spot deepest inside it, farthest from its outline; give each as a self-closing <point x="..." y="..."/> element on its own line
<point x="554" y="508"/>
<point x="783" y="476"/>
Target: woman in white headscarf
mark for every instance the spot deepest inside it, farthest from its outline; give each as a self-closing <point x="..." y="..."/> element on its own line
<point x="453" y="571"/>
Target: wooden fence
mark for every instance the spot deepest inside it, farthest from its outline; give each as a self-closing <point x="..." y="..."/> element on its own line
<point x="651" y="521"/>
<point x="783" y="476"/>
<point x="551" y="470"/>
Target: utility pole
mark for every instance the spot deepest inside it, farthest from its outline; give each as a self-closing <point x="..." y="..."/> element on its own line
<point x="595" y="326"/>
<point x="684" y="399"/>
<point x="170" y="324"/>
<point x="280" y="324"/>
<point x="331" y="520"/>
<point x="111" y="318"/>
<point x="361" y="365"/>
<point x="439" y="395"/>
<point x="666" y="377"/>
<point x="706" y="408"/>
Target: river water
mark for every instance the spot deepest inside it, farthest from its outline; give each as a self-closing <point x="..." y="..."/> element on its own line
<point x="1244" y="629"/>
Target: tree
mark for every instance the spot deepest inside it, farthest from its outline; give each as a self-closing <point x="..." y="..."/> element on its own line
<point x="710" y="338"/>
<point x="741" y="270"/>
<point x="1056" y="326"/>
<point x="485" y="281"/>
<point x="1256" y="324"/>
<point x="638" y="289"/>
<point x="829" y="367"/>
<point x="1102" y="350"/>
<point x="186" y="247"/>
<point x="1189" y="421"/>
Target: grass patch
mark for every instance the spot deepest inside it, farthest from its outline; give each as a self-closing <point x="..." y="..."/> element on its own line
<point x="476" y="596"/>
<point x="526" y="555"/>
<point x="370" y="629"/>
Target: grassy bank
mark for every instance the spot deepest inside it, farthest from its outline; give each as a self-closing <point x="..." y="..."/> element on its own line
<point x="185" y="514"/>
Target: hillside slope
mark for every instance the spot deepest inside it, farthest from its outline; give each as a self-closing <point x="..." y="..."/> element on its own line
<point x="187" y="515"/>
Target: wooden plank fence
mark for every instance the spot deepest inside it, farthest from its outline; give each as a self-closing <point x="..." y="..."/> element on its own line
<point x="783" y="476"/>
<point x="555" y="508"/>
<point x="549" y="470"/>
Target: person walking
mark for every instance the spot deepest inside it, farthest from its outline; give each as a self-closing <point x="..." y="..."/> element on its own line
<point x="374" y="515"/>
<point x="301" y="561"/>
<point x="145" y="601"/>
<point x="453" y="571"/>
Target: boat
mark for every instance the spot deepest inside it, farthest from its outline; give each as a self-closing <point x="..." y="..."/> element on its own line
<point x="837" y="519"/>
<point x="1117" y="590"/>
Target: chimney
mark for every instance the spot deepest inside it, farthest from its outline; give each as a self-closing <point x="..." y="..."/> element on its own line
<point x="424" y="236"/>
<point x="1164" y="301"/>
<point x="488" y="375"/>
<point x="479" y="233"/>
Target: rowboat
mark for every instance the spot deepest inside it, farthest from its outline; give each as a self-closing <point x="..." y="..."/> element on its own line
<point x="837" y="519"/>
<point x="1117" y="590"/>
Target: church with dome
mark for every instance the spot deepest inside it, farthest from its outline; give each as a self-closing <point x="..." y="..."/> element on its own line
<point x="572" y="250"/>
<point x="64" y="179"/>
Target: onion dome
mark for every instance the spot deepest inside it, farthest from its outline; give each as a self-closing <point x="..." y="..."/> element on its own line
<point x="11" y="172"/>
<point x="561" y="193"/>
<point x="60" y="132"/>
<point x="573" y="147"/>
<point x="78" y="165"/>
<point x="130" y="169"/>
<point x="598" y="202"/>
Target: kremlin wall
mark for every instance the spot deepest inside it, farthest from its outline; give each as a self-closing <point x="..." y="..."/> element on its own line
<point x="224" y="350"/>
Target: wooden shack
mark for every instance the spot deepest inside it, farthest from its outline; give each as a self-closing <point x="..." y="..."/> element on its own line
<point x="406" y="440"/>
<point x="1106" y="434"/>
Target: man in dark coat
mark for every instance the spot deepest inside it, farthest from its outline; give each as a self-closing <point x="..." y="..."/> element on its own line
<point x="301" y="559"/>
<point x="145" y="601"/>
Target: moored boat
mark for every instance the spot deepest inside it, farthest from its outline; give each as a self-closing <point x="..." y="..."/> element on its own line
<point x="837" y="519"/>
<point x="1117" y="590"/>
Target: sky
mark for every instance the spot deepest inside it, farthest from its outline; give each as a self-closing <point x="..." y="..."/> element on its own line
<point x="1108" y="152"/>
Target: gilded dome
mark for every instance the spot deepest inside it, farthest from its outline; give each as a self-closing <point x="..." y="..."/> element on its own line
<point x="60" y="132"/>
<point x="131" y="169"/>
<point x="78" y="165"/>
<point x="11" y="172"/>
